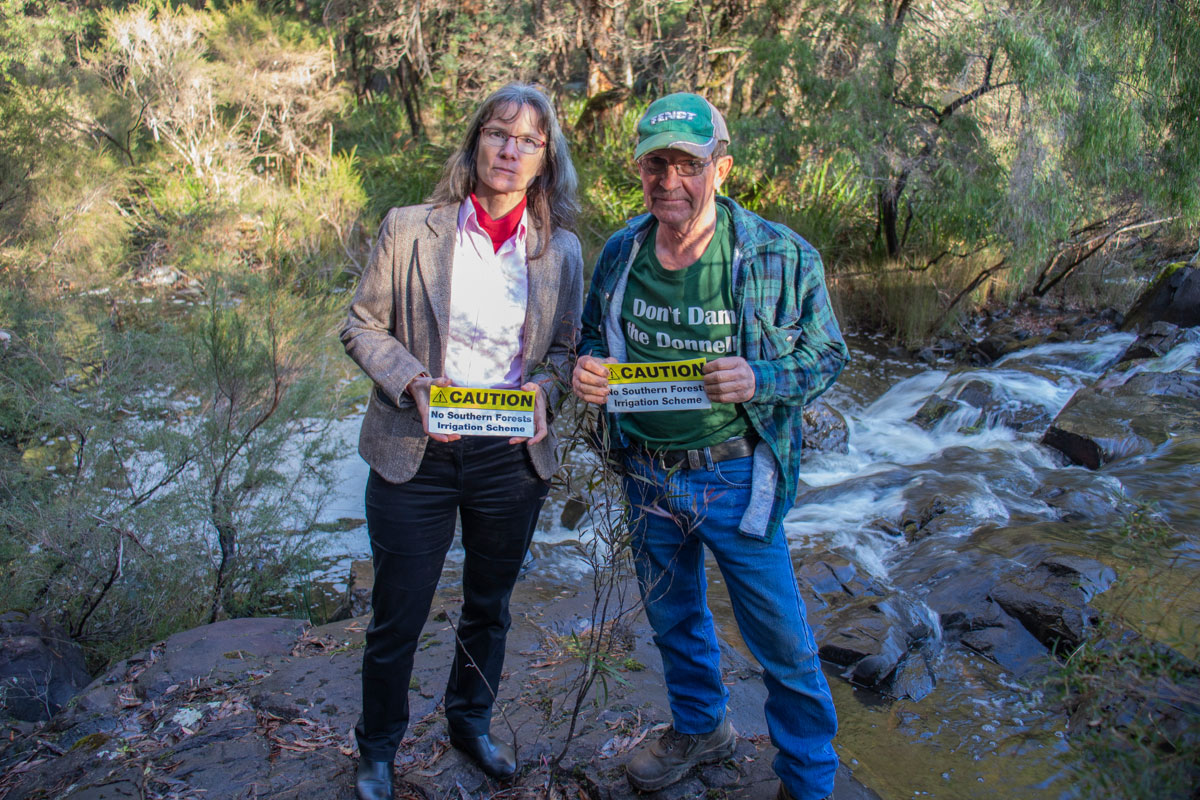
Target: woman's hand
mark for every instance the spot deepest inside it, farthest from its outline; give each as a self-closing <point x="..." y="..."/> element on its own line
<point x="539" y="415"/>
<point x="589" y="381"/>
<point x="419" y="387"/>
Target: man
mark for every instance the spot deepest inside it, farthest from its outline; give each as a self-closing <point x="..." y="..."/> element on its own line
<point x="699" y="276"/>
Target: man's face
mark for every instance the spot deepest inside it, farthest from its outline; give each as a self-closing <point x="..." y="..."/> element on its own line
<point x="678" y="201"/>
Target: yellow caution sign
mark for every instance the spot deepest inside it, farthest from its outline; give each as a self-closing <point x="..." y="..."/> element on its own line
<point x="469" y="411"/>
<point x="657" y="386"/>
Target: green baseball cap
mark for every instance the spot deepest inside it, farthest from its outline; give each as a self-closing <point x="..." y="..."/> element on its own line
<point x="681" y="121"/>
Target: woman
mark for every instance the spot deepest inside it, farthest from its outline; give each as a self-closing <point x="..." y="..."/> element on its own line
<point x="481" y="287"/>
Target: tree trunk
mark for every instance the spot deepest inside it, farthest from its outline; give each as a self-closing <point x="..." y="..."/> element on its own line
<point x="889" y="214"/>
<point x="410" y="86"/>
<point x="227" y="543"/>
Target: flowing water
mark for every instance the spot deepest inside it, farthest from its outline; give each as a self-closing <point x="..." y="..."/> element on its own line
<point x="981" y="733"/>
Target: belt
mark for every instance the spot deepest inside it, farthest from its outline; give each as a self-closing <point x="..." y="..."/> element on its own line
<point x="696" y="459"/>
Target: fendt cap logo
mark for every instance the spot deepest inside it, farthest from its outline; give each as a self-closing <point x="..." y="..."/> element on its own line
<point x="667" y="116"/>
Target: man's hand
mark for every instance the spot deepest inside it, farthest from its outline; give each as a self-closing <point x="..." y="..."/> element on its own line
<point x="419" y="387"/>
<point x="539" y="416"/>
<point x="589" y="381"/>
<point x="729" y="380"/>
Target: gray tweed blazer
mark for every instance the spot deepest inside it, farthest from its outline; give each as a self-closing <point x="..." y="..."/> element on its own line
<point x="398" y="326"/>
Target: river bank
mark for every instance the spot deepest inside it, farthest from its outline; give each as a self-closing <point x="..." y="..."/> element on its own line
<point x="950" y="556"/>
<point x="264" y="708"/>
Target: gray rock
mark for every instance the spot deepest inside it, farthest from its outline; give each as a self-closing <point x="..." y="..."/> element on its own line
<point x="221" y="651"/>
<point x="1009" y="645"/>
<point x="1105" y="422"/>
<point x="1050" y="600"/>
<point x="869" y="638"/>
<point x="915" y="522"/>
<point x="997" y="407"/>
<point x="1174" y="297"/>
<point x="832" y="573"/>
<point x="41" y="668"/>
<point x="825" y="429"/>
<point x="968" y="615"/>
<point x="1156" y="340"/>
<point x="934" y="410"/>
<point x="912" y="678"/>
<point x="358" y="591"/>
<point x="1074" y="503"/>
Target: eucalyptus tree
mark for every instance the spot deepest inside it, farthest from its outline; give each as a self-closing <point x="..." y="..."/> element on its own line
<point x="1014" y="126"/>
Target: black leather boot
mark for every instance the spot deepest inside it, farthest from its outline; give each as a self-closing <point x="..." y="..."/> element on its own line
<point x="374" y="780"/>
<point x="495" y="758"/>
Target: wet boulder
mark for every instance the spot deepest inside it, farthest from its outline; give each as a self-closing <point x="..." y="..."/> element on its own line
<point x="934" y="410"/>
<point x="1005" y="642"/>
<point x="1106" y="422"/>
<point x="825" y="429"/>
<point x="357" y="600"/>
<point x="976" y="404"/>
<point x="871" y="637"/>
<point x="1173" y="297"/>
<point x="1051" y="600"/>
<point x="998" y="407"/>
<point x="968" y="615"/>
<point x="1075" y="503"/>
<point x="41" y="667"/>
<point x="832" y="579"/>
<point x="913" y="677"/>
<point x="1156" y="340"/>
<point x="916" y="521"/>
<point x="999" y="344"/>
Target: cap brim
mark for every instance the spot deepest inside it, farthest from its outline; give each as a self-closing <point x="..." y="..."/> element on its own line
<point x="674" y="140"/>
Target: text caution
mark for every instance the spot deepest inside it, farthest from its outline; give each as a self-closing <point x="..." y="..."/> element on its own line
<point x="658" y="386"/>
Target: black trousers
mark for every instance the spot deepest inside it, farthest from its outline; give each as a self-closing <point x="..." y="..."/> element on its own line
<point x="493" y="487"/>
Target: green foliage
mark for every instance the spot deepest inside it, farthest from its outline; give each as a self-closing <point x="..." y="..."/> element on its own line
<point x="1135" y="707"/>
<point x="149" y="448"/>
<point x="86" y="515"/>
<point x="609" y="186"/>
<point x="132" y="445"/>
<point x="262" y="458"/>
<point x="34" y="115"/>
<point x="396" y="170"/>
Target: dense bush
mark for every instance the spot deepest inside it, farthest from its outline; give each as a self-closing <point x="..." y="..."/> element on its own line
<point x="187" y="190"/>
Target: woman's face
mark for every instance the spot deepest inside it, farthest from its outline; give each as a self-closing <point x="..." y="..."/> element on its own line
<point x="502" y="169"/>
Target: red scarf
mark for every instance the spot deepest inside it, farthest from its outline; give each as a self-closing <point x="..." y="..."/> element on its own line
<point x="500" y="230"/>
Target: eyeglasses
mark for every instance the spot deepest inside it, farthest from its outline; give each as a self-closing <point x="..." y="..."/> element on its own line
<point x="494" y="137"/>
<point x="657" y="165"/>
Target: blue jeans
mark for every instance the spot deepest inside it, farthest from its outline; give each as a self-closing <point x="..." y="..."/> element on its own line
<point x="672" y="513"/>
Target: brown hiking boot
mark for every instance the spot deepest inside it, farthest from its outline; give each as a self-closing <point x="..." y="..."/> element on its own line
<point x="784" y="794"/>
<point x="668" y="759"/>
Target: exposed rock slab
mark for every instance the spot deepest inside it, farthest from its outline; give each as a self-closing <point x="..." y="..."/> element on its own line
<point x="41" y="668"/>
<point x="281" y="727"/>
<point x="1174" y="297"/>
<point x="1158" y="339"/>
<point x="222" y="651"/>
<point x="1050" y="600"/>
<point x="1104" y="422"/>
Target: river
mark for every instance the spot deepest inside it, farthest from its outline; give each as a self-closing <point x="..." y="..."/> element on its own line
<point x="982" y="732"/>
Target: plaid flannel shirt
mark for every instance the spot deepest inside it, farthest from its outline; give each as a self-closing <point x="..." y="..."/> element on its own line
<point x="786" y="332"/>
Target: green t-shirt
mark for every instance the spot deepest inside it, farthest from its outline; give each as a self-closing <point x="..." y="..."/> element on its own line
<point x="669" y="315"/>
